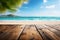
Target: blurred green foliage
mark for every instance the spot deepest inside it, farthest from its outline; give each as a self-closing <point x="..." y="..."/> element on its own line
<point x="10" y="5"/>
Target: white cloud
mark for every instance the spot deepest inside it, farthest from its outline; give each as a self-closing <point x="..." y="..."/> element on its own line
<point x="50" y="6"/>
<point x="44" y="1"/>
<point x="25" y="2"/>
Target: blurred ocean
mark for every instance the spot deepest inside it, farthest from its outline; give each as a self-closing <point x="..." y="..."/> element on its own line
<point x="27" y="18"/>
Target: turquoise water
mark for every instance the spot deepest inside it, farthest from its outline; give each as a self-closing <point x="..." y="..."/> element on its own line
<point x="28" y="18"/>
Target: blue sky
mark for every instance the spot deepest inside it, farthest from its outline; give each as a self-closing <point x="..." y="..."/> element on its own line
<point x="40" y="8"/>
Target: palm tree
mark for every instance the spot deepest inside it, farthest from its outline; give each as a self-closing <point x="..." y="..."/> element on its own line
<point x="10" y="5"/>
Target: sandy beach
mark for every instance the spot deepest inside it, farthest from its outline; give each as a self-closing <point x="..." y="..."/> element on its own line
<point x="29" y="22"/>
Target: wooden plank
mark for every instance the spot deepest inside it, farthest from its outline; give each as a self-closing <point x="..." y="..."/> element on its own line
<point x="5" y="30"/>
<point x="21" y="32"/>
<point x="57" y="27"/>
<point x="12" y="34"/>
<point x="16" y="33"/>
<point x="30" y="33"/>
<point x="39" y="29"/>
<point x="53" y="30"/>
<point x="50" y="34"/>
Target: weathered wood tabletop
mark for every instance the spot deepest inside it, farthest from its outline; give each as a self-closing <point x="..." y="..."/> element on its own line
<point x="30" y="32"/>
